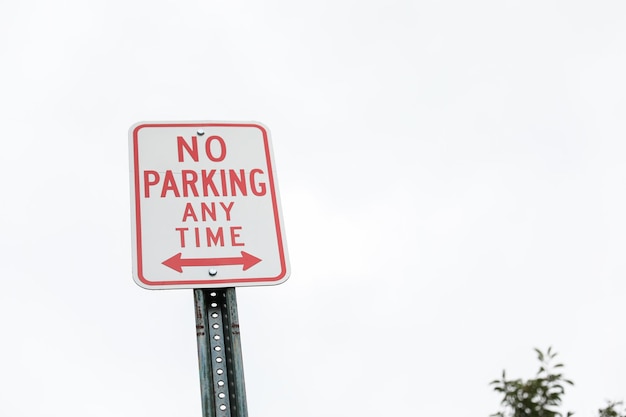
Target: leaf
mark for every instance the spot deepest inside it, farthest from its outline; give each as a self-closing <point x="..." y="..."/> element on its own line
<point x="539" y="354"/>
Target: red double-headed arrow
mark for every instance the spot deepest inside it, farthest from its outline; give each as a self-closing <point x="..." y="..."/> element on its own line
<point x="177" y="262"/>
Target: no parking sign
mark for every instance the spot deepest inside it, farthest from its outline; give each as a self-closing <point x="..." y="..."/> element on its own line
<point x="206" y="209"/>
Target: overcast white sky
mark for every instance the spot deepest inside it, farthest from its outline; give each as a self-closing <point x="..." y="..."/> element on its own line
<point x="452" y="179"/>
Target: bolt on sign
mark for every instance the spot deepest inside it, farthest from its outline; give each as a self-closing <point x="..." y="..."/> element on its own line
<point x="206" y="209"/>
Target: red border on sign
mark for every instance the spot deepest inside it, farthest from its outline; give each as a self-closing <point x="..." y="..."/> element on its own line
<point x="138" y="230"/>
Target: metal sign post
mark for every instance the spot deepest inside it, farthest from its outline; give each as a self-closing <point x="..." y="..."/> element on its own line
<point x="222" y="385"/>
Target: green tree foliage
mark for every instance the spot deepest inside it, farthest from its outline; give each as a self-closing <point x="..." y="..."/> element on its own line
<point x="611" y="410"/>
<point x="541" y="396"/>
<point x="537" y="397"/>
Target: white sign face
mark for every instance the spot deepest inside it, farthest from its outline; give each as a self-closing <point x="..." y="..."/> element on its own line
<point x="206" y="210"/>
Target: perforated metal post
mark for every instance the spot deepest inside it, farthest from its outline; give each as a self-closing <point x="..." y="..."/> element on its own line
<point x="220" y="359"/>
